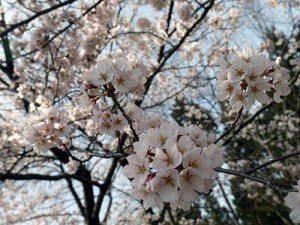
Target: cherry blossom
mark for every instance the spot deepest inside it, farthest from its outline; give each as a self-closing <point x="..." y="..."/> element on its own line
<point x="179" y="160"/>
<point x="101" y="81"/>
<point x="137" y="169"/>
<point x="46" y="130"/>
<point x="184" y="199"/>
<point x="165" y="183"/>
<point x="247" y="77"/>
<point x="150" y="198"/>
<point x="158" y="137"/>
<point x="167" y="157"/>
<point x="292" y="201"/>
<point x="190" y="180"/>
<point x="102" y="73"/>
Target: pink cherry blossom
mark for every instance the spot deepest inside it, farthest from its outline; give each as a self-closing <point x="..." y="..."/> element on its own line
<point x="165" y="183"/>
<point x="198" y="161"/>
<point x="190" y="179"/>
<point x="150" y="198"/>
<point x="167" y="157"/>
<point x="158" y="137"/>
<point x="137" y="169"/>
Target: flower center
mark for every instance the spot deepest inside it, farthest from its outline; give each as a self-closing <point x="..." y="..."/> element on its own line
<point x="188" y="178"/>
<point x="120" y="81"/>
<point x="239" y="72"/>
<point x="103" y="76"/>
<point x="195" y="164"/>
<point x="139" y="169"/>
<point x="169" y="181"/>
<point x="182" y="150"/>
<point x="144" y="193"/>
<point x="229" y="89"/>
<point x="162" y="139"/>
<point x="168" y="159"/>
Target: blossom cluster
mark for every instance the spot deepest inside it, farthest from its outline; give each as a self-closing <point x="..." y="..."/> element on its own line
<point x="173" y="164"/>
<point x="108" y="80"/>
<point x="47" y="129"/>
<point x="107" y="122"/>
<point x="119" y="75"/>
<point x="247" y="77"/>
<point x="292" y="200"/>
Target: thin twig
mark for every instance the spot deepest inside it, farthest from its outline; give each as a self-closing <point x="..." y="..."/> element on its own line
<point x="250" y="120"/>
<point x="272" y="161"/>
<point x="235" y="217"/>
<point x="242" y="174"/>
<point x="114" y="98"/>
<point x="28" y="20"/>
<point x="231" y="127"/>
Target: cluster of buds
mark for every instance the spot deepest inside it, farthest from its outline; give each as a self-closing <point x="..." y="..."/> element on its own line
<point x="173" y="164"/>
<point x="47" y="129"/>
<point x="247" y="77"/>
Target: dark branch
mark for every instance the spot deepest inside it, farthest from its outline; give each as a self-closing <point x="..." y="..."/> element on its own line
<point x="272" y="161"/>
<point x="28" y="20"/>
<point x="174" y="49"/>
<point x="231" y="127"/>
<point x="267" y="183"/>
<point x="104" y="188"/>
<point x="13" y="176"/>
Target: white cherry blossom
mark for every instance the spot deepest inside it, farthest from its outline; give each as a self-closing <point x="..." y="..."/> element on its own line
<point x="158" y="137"/>
<point x="137" y="168"/>
<point x="150" y="198"/>
<point x="165" y="183"/>
<point x="122" y="82"/>
<point x="292" y="200"/>
<point x="184" y="199"/>
<point x="246" y="78"/>
<point x="167" y="157"/>
<point x="177" y="168"/>
<point x="102" y="73"/>
<point x="200" y="162"/>
<point x="190" y="179"/>
<point x="185" y="144"/>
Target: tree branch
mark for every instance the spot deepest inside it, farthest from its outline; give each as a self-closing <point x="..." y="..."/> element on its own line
<point x="32" y="176"/>
<point x="272" y="161"/>
<point x="231" y="127"/>
<point x="104" y="188"/>
<point x="174" y="49"/>
<point x="235" y="217"/>
<point x="28" y="20"/>
<point x="80" y="206"/>
<point x="250" y="120"/>
<point x="265" y="182"/>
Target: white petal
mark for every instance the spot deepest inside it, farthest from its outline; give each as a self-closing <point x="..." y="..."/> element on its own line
<point x="295" y="215"/>
<point x="262" y="97"/>
<point x="291" y="200"/>
<point x="168" y="193"/>
<point x="128" y="171"/>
